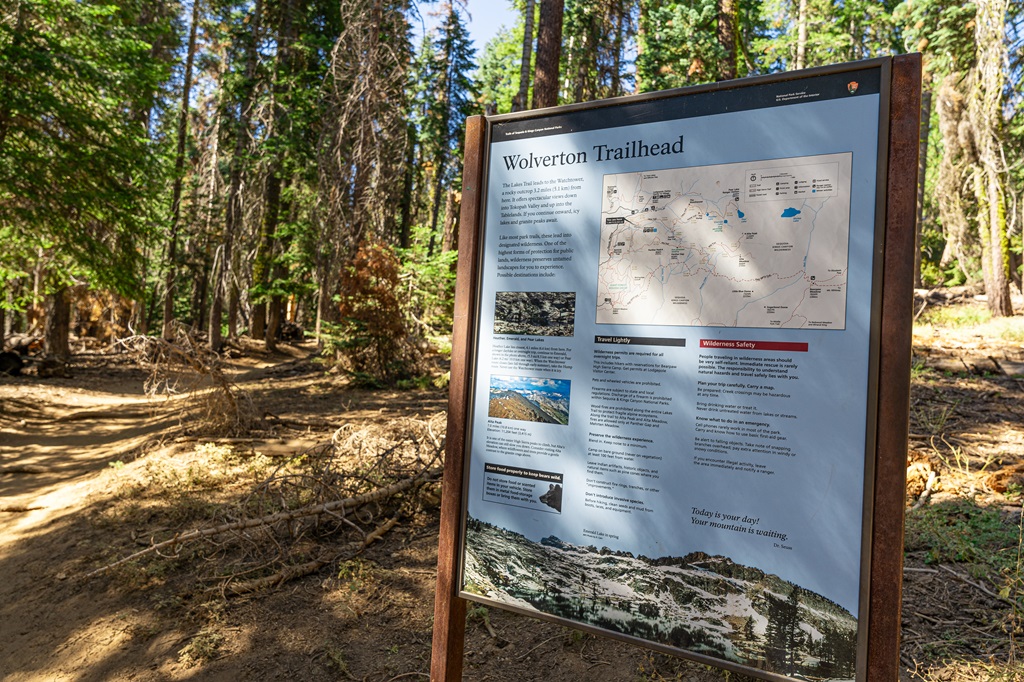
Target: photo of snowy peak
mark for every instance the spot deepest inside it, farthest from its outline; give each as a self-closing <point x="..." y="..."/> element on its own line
<point x="699" y="603"/>
<point x="529" y="399"/>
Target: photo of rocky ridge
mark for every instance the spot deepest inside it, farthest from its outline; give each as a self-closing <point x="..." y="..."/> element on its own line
<point x="535" y="313"/>
<point x="700" y="603"/>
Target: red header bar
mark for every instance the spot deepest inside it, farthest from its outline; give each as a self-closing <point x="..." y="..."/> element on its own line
<point x="754" y="345"/>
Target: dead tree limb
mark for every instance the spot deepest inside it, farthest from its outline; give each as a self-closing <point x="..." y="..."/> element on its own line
<point x="25" y="469"/>
<point x="967" y="581"/>
<point x="301" y="570"/>
<point x="270" y="519"/>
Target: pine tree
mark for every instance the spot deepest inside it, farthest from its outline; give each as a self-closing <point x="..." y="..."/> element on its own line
<point x="239" y="95"/>
<point x="77" y="176"/>
<point x="450" y="101"/>
<point x="498" y="78"/>
<point x="549" y="48"/>
<point x="519" y="102"/>
<point x="362" y="138"/>
<point x="179" y="175"/>
<point x="680" y="44"/>
<point x="966" y="58"/>
<point x="806" y="33"/>
<point x="783" y="637"/>
<point x="727" y="18"/>
<point x="595" y="64"/>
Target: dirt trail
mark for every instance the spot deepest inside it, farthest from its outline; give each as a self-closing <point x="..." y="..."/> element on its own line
<point x="70" y="447"/>
<point x="57" y="441"/>
<point x="62" y="441"/>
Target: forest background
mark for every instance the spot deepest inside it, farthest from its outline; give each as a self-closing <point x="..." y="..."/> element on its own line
<point x="291" y="167"/>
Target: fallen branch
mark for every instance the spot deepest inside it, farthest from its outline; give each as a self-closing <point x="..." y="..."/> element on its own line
<point x="301" y="423"/>
<point x="25" y="469"/>
<point x="918" y="313"/>
<point x="182" y="365"/>
<point x="302" y="512"/>
<point x="490" y="628"/>
<point x="292" y="572"/>
<point x="105" y="415"/>
<point x="549" y="639"/>
<point x="964" y="579"/>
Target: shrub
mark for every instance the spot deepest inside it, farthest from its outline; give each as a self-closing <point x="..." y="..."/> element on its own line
<point x="372" y="336"/>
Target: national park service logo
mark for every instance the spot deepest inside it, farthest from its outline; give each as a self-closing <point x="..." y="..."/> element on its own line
<point x="852" y="86"/>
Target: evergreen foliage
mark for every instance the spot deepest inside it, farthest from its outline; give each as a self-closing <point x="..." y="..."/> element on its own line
<point x="975" y="87"/>
<point x="314" y="126"/>
<point x="77" y="172"/>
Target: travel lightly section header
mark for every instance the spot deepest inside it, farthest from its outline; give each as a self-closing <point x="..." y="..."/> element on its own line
<point x="634" y="149"/>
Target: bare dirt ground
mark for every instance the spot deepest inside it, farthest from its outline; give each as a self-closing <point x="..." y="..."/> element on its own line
<point x="93" y="470"/>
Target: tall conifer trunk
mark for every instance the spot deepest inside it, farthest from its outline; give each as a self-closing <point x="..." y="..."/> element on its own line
<point x="549" y="52"/>
<point x="179" y="173"/>
<point x="223" y="281"/>
<point x="523" y="96"/>
<point x="266" y="251"/>
<point x="727" y="37"/>
<point x="984" y="102"/>
<point x="922" y="172"/>
<point x="801" y="35"/>
<point x="58" y="325"/>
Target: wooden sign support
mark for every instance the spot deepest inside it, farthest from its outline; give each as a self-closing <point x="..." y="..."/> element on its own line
<point x="879" y="649"/>
<point x="449" y="609"/>
<point x="886" y="584"/>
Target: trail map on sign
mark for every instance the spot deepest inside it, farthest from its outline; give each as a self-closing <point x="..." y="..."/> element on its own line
<point x="759" y="244"/>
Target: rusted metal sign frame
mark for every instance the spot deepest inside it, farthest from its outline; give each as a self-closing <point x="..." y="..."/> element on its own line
<point x="881" y="584"/>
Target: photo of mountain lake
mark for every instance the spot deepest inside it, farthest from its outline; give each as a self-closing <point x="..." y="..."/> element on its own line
<point x="529" y="399"/>
<point x="704" y="604"/>
<point x="536" y="313"/>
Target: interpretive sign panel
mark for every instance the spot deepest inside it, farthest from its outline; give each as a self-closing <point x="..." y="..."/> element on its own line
<point x="671" y="418"/>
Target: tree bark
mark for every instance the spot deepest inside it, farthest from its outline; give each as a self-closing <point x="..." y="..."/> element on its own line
<point x="440" y="162"/>
<point x="620" y="32"/>
<point x="265" y="252"/>
<point x="549" y="53"/>
<point x="263" y="265"/>
<point x="522" y="97"/>
<point x="801" y="35"/>
<point x="233" y="216"/>
<point x="450" y="237"/>
<point x="995" y="245"/>
<point x="984" y="110"/>
<point x="58" y="325"/>
<point x="405" y="215"/>
<point x="727" y="37"/>
<point x="200" y="290"/>
<point x="273" y="324"/>
<point x="641" y="43"/>
<point x="214" y="333"/>
<point x="179" y="172"/>
<point x="233" y="306"/>
<point x="278" y="273"/>
<point x="922" y="171"/>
